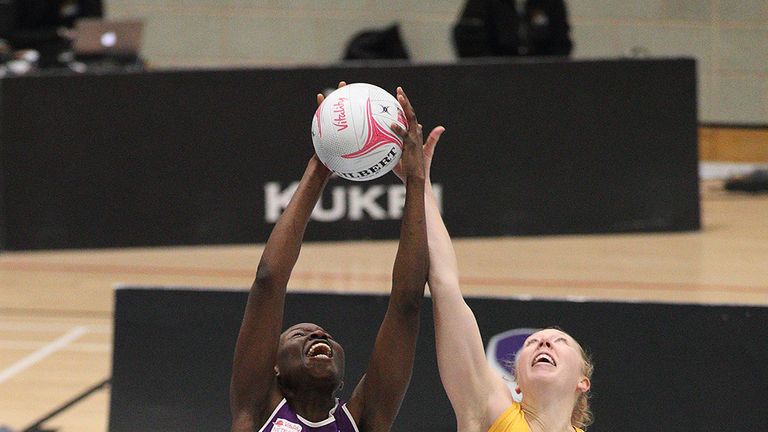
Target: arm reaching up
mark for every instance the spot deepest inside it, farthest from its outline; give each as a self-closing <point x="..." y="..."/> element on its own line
<point x="253" y="389"/>
<point x="377" y="398"/>
<point x="478" y="395"/>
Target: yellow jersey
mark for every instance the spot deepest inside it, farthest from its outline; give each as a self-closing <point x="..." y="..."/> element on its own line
<point x="513" y="420"/>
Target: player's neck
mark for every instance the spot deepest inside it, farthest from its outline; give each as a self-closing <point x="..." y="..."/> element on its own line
<point x="312" y="405"/>
<point x="552" y="415"/>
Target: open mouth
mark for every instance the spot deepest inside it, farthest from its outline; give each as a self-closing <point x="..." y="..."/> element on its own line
<point x="545" y="359"/>
<point x="321" y="350"/>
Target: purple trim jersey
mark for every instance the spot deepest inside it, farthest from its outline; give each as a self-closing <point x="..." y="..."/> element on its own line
<point x="284" y="419"/>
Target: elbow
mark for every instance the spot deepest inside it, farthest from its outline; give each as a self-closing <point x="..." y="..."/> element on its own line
<point x="270" y="278"/>
<point x="410" y="307"/>
<point x="409" y="303"/>
<point x="443" y="279"/>
<point x="265" y="277"/>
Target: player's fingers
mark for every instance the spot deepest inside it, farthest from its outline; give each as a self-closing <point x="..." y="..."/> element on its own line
<point x="432" y="140"/>
<point x="410" y="114"/>
<point x="419" y="133"/>
<point x="396" y="128"/>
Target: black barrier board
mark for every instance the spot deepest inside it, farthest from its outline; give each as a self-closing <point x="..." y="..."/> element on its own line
<point x="665" y="367"/>
<point x="206" y="157"/>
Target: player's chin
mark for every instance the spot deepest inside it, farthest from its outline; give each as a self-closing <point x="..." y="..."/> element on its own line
<point x="324" y="373"/>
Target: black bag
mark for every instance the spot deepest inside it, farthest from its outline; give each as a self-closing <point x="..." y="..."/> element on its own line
<point x="377" y="44"/>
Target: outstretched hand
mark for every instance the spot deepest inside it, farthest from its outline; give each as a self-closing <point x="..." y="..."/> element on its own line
<point x="414" y="138"/>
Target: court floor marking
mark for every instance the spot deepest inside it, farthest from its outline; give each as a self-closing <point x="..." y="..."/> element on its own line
<point x="42" y="353"/>
<point x="43" y="327"/>
<point x="16" y="345"/>
<point x="352" y="276"/>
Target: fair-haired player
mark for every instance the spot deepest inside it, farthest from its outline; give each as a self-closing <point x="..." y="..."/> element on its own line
<point x="552" y="371"/>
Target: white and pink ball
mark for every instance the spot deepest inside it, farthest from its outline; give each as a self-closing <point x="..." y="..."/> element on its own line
<point x="351" y="132"/>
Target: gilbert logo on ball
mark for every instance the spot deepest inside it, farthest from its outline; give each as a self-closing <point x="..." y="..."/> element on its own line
<point x="352" y="135"/>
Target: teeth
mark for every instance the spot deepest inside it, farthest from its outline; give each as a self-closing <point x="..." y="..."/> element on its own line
<point x="320" y="346"/>
<point x="544" y="358"/>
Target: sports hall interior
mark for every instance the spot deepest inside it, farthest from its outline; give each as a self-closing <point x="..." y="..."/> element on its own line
<point x="57" y="304"/>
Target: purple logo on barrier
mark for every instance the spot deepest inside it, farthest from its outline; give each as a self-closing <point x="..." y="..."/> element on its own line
<point x="501" y="351"/>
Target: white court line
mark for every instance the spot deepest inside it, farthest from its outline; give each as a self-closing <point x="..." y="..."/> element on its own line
<point x="14" y="345"/>
<point x="34" y="327"/>
<point x="42" y="353"/>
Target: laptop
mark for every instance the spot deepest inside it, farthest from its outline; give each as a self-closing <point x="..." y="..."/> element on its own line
<point x="100" y="37"/>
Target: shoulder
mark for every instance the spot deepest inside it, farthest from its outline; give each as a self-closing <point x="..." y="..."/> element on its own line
<point x="500" y="400"/>
<point x="255" y="421"/>
<point x="344" y="419"/>
<point x="510" y="420"/>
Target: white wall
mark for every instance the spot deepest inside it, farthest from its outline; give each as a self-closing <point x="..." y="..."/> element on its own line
<point x="729" y="38"/>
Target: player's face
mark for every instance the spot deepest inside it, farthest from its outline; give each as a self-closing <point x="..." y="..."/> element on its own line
<point x="550" y="358"/>
<point x="308" y="356"/>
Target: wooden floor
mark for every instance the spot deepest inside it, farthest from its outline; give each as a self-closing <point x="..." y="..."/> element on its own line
<point x="55" y="307"/>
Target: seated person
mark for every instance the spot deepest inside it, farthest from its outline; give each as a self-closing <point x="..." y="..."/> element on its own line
<point x="513" y="28"/>
<point x="45" y="25"/>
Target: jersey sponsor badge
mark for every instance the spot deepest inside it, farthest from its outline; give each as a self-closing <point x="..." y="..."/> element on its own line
<point x="283" y="425"/>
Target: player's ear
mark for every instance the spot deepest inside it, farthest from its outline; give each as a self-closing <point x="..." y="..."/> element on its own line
<point x="277" y="371"/>
<point x="584" y="385"/>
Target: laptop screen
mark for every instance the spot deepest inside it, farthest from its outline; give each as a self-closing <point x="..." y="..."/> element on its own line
<point x="108" y="37"/>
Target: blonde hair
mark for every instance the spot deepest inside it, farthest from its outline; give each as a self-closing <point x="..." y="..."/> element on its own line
<point x="581" y="416"/>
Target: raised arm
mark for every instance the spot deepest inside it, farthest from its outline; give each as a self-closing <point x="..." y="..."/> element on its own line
<point x="476" y="392"/>
<point x="253" y="390"/>
<point x="377" y="398"/>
